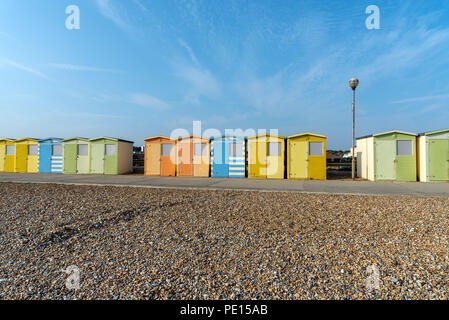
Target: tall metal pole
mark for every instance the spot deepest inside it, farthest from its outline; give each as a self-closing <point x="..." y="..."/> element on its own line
<point x="353" y="133"/>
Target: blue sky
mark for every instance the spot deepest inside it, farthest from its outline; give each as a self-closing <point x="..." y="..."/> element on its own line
<point x="139" y="68"/>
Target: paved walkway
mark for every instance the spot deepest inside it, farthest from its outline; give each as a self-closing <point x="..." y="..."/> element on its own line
<point x="329" y="186"/>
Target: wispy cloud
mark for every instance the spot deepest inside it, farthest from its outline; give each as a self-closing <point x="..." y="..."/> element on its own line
<point x="202" y="82"/>
<point x="81" y="68"/>
<point x="24" y="68"/>
<point x="140" y="5"/>
<point x="110" y="11"/>
<point x="425" y="98"/>
<point x="189" y="50"/>
<point x="147" y="101"/>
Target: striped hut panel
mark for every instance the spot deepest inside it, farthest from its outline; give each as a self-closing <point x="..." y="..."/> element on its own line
<point x="57" y="164"/>
<point x="212" y="156"/>
<point x="237" y="164"/>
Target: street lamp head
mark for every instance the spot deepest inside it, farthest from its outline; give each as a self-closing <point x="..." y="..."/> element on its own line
<point x="353" y="83"/>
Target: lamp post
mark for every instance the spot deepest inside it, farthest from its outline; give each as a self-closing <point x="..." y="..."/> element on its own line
<point x="353" y="83"/>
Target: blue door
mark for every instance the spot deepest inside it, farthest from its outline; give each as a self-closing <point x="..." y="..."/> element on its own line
<point x="45" y="158"/>
<point x="220" y="165"/>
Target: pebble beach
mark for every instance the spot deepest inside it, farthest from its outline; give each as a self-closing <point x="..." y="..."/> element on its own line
<point x="144" y="243"/>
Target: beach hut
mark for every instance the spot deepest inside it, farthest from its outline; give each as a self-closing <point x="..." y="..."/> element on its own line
<point x="387" y="156"/>
<point x="266" y="156"/>
<point x="306" y="156"/>
<point x="26" y="157"/>
<point x="111" y="156"/>
<point x="160" y="156"/>
<point x="7" y="155"/>
<point x="193" y="156"/>
<point x="228" y="157"/>
<point x="50" y="155"/>
<point x="76" y="153"/>
<point x="433" y="156"/>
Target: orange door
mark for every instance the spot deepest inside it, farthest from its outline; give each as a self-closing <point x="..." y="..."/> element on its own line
<point x="167" y="159"/>
<point x="185" y="158"/>
<point x="152" y="159"/>
<point x="201" y="159"/>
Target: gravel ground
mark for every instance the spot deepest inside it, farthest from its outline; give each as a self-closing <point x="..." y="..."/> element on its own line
<point x="139" y="243"/>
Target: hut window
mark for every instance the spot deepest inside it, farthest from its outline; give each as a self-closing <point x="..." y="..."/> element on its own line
<point x="404" y="147"/>
<point x="199" y="149"/>
<point x="236" y="149"/>
<point x="56" y="150"/>
<point x="10" y="150"/>
<point x="82" y="150"/>
<point x="110" y="150"/>
<point x="274" y="148"/>
<point x="32" y="150"/>
<point x="315" y="148"/>
<point x="166" y="149"/>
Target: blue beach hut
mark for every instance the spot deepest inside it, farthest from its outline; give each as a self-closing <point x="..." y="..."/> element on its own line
<point x="228" y="157"/>
<point x="50" y="155"/>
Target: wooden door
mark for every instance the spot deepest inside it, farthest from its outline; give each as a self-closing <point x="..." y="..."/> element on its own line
<point x="154" y="159"/>
<point x="185" y="158"/>
<point x="298" y="159"/>
<point x="167" y="163"/>
<point x="438" y="160"/>
<point x="21" y="157"/>
<point x="386" y="160"/>
<point x="2" y="157"/>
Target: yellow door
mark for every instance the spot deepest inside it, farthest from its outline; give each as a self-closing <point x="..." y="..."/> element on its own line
<point x="32" y="160"/>
<point x="2" y="157"/>
<point x="275" y="159"/>
<point x="257" y="158"/>
<point x="201" y="159"/>
<point x="10" y="158"/>
<point x="154" y="159"/>
<point x="21" y="157"/>
<point x="317" y="160"/>
<point x="298" y="155"/>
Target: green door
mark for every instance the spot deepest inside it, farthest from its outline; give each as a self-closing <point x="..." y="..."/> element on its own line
<point x="97" y="158"/>
<point x="110" y="158"/>
<point x="405" y="160"/>
<point x="438" y="160"/>
<point x="82" y="160"/>
<point x="385" y="160"/>
<point x="70" y="158"/>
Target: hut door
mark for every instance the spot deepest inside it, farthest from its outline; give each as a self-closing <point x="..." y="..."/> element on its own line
<point x="97" y="156"/>
<point x="220" y="165"/>
<point x="167" y="160"/>
<point x="82" y="159"/>
<point x="275" y="162"/>
<point x="70" y="155"/>
<point x="185" y="158"/>
<point x="298" y="159"/>
<point x="45" y="150"/>
<point x="386" y="160"/>
<point x="21" y="157"/>
<point x="154" y="155"/>
<point x="438" y="160"/>
<point x="201" y="159"/>
<point x="2" y="157"/>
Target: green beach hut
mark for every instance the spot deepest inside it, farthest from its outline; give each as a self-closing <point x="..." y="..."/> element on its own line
<point x="76" y="155"/>
<point x="111" y="156"/>
<point x="433" y="156"/>
<point x="389" y="156"/>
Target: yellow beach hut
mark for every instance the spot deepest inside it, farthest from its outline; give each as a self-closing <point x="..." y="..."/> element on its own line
<point x="266" y="156"/>
<point x="27" y="154"/>
<point x="7" y="155"/>
<point x="306" y="156"/>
